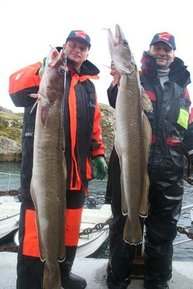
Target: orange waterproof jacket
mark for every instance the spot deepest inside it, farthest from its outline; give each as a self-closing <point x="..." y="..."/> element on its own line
<point x="81" y="120"/>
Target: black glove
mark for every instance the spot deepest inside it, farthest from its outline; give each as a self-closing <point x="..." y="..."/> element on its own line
<point x="100" y="168"/>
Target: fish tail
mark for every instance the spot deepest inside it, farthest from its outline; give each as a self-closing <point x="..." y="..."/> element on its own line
<point x="123" y="200"/>
<point x="62" y="252"/>
<point x="132" y="233"/>
<point x="51" y="278"/>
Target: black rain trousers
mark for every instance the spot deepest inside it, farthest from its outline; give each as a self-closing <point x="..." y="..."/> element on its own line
<point x="165" y="201"/>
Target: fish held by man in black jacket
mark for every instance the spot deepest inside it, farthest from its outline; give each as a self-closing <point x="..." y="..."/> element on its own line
<point x="132" y="136"/>
<point x="48" y="184"/>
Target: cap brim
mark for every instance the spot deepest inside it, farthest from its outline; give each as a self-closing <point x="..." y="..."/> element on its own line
<point x="80" y="40"/>
<point x="162" y="41"/>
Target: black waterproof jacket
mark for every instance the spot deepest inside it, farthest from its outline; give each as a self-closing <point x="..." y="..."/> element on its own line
<point x="172" y="134"/>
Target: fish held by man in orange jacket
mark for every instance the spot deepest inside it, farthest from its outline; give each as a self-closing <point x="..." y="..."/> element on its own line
<point x="48" y="184"/>
<point x="132" y="136"/>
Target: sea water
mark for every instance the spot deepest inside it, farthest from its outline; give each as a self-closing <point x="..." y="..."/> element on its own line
<point x="9" y="176"/>
<point x="182" y="251"/>
<point x="185" y="250"/>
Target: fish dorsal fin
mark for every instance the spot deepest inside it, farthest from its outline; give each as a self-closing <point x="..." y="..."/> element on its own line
<point x="145" y="101"/>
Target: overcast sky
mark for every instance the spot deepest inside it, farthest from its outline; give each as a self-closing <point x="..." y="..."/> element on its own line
<point x="29" y="27"/>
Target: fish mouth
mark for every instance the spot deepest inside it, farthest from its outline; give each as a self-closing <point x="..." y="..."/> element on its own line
<point x="120" y="52"/>
<point x="119" y="36"/>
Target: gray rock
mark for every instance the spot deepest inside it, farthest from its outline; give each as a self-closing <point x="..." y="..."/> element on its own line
<point x="107" y="126"/>
<point x="10" y="151"/>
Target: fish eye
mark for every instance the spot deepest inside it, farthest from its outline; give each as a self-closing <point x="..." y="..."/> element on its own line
<point x="124" y="42"/>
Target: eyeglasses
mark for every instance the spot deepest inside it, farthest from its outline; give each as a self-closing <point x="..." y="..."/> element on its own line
<point x="79" y="46"/>
<point x="164" y="47"/>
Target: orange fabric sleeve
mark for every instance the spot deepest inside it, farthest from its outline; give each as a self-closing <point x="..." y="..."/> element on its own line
<point x="97" y="133"/>
<point x="24" y="78"/>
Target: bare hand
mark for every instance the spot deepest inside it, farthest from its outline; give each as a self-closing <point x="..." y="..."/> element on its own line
<point x="116" y="75"/>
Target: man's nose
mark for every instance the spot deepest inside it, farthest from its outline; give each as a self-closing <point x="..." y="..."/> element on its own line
<point x="162" y="50"/>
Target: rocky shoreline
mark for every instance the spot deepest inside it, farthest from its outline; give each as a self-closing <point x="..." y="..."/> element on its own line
<point x="9" y="193"/>
<point x="10" y="150"/>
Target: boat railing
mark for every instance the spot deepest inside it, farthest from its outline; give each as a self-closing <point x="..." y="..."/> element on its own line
<point x="7" y="217"/>
<point x="9" y="181"/>
<point x="188" y="230"/>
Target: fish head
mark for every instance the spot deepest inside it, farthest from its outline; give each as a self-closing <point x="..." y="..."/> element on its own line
<point x="120" y="52"/>
<point x="52" y="83"/>
<point x="57" y="60"/>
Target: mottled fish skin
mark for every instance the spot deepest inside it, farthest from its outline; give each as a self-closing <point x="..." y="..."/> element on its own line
<point x="132" y="137"/>
<point x="48" y="184"/>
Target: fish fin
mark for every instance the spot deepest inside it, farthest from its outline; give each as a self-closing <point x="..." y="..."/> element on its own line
<point x="44" y="115"/>
<point x="34" y="95"/>
<point x="40" y="243"/>
<point x="64" y="165"/>
<point x="62" y="247"/>
<point x="123" y="200"/>
<point x="145" y="101"/>
<point x="33" y="195"/>
<point x="44" y="108"/>
<point x="62" y="260"/>
<point x="143" y="209"/>
<point x="132" y="233"/>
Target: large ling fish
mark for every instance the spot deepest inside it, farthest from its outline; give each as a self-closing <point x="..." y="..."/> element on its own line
<point x="48" y="184"/>
<point x="132" y="136"/>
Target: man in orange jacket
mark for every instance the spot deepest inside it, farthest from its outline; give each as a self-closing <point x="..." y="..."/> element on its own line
<point x="88" y="143"/>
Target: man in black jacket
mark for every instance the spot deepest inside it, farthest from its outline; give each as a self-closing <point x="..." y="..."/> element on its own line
<point x="164" y="78"/>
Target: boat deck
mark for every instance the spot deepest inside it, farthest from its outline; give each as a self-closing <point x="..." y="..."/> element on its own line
<point x="96" y="275"/>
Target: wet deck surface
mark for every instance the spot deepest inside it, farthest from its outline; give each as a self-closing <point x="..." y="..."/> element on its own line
<point x="94" y="270"/>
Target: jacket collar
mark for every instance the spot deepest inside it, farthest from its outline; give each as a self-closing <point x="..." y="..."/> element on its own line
<point x="178" y="71"/>
<point x="87" y="68"/>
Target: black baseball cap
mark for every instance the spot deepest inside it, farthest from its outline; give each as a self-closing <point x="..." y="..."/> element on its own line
<point x="164" y="37"/>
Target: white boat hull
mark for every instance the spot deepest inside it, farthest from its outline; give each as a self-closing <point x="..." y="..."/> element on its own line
<point x="9" y="215"/>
